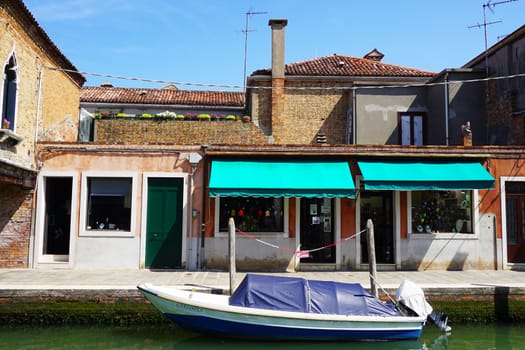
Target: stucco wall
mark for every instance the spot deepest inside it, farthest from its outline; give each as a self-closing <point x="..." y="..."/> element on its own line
<point x="107" y="252"/>
<point x="377" y="113"/>
<point x="250" y="254"/>
<point x="111" y="250"/>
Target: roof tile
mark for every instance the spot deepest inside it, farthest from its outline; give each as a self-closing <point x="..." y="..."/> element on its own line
<point x="341" y="65"/>
<point x="161" y="96"/>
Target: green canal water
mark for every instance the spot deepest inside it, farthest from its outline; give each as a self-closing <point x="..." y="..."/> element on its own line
<point x="493" y="337"/>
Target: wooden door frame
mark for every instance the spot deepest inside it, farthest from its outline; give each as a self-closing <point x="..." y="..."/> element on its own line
<point x="505" y="261"/>
<point x="186" y="211"/>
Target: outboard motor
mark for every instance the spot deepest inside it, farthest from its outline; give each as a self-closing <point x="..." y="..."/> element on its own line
<point x="412" y="298"/>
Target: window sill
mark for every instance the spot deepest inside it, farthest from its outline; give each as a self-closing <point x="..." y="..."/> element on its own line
<point x="8" y="137"/>
<point x="254" y="234"/>
<point x="106" y="233"/>
<point x="443" y="236"/>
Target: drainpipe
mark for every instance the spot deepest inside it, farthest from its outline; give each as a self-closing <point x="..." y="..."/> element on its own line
<point x="354" y="115"/>
<point x="32" y="254"/>
<point x="445" y="86"/>
<point x="194" y="159"/>
<point x="204" y="212"/>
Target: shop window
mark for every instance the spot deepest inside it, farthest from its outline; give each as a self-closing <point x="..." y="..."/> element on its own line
<point x="109" y="204"/>
<point x="252" y="214"/>
<point x="441" y="211"/>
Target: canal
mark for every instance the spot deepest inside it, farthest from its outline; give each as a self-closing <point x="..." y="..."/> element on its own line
<point x="167" y="336"/>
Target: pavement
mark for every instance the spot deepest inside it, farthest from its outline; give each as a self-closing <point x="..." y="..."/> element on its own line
<point x="72" y="279"/>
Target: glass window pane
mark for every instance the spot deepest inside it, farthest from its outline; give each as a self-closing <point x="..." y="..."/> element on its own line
<point x="418" y="130"/>
<point x="252" y="214"/>
<point x="441" y="211"/>
<point x="109" y="204"/>
<point x="512" y="220"/>
<point x="405" y="130"/>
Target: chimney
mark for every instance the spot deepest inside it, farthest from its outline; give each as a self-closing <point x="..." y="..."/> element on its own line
<point x="277" y="26"/>
<point x="374" y="55"/>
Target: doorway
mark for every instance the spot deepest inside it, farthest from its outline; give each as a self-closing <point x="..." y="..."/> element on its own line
<point x="378" y="206"/>
<point x="317" y="229"/>
<point x="164" y="223"/>
<point x="57" y="218"/>
<point x="515" y="217"/>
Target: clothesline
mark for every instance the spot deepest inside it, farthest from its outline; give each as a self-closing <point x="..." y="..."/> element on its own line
<point x="298" y="253"/>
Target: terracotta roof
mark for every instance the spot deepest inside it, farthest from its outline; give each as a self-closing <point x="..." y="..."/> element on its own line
<point x="21" y="13"/>
<point x="166" y="96"/>
<point x="340" y="65"/>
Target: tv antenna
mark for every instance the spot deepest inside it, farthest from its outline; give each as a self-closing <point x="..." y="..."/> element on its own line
<point x="246" y="31"/>
<point x="488" y="5"/>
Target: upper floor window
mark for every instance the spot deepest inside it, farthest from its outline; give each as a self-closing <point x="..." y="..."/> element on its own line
<point x="9" y="94"/>
<point x="412" y="126"/>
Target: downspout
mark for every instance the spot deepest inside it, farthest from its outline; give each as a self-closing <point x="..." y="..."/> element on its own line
<point x="446" y="110"/>
<point x="205" y="201"/>
<point x="194" y="159"/>
<point x="354" y="116"/>
<point x="32" y="253"/>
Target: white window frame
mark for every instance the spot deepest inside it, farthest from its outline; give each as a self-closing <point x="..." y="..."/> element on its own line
<point x="286" y="218"/>
<point x="39" y="257"/>
<point x="446" y="235"/>
<point x="83" y="232"/>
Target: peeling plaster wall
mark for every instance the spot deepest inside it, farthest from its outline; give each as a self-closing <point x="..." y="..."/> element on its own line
<point x="250" y="255"/>
<point x="377" y="113"/>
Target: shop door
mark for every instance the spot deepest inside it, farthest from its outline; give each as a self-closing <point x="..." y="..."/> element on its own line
<point x="317" y="229"/>
<point x="515" y="211"/>
<point x="164" y="223"/>
<point x="377" y="205"/>
<point x="57" y="225"/>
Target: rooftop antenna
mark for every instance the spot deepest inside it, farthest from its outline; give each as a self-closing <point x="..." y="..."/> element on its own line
<point x="246" y="31"/>
<point x="488" y="5"/>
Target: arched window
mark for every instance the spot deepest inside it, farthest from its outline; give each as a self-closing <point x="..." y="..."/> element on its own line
<point x="9" y="94"/>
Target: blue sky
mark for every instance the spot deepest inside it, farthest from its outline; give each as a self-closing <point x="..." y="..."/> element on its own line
<point x="202" y="42"/>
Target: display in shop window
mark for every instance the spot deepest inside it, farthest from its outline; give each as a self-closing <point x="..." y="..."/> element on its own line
<point x="441" y="211"/>
<point x="252" y="214"/>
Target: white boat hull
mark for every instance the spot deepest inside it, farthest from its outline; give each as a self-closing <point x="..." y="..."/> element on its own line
<point x="212" y="314"/>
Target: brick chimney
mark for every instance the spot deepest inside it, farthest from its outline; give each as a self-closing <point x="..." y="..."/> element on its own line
<point x="277" y="26"/>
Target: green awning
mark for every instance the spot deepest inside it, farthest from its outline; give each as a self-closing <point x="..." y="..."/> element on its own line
<point x="413" y="176"/>
<point x="258" y="178"/>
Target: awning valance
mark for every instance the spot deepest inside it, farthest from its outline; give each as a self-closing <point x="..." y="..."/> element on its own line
<point x="259" y="178"/>
<point x="413" y="176"/>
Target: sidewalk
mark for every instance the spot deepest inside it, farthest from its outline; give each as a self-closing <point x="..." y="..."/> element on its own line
<point x="40" y="279"/>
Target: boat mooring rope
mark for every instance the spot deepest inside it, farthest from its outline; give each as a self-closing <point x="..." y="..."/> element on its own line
<point x="298" y="253"/>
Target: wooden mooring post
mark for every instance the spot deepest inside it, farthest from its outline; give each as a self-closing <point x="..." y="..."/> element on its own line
<point x="231" y="253"/>
<point x="371" y="257"/>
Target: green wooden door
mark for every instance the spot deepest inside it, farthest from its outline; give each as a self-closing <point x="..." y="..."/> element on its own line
<point x="164" y="223"/>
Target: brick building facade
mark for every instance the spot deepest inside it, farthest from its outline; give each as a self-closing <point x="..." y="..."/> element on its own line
<point x="38" y="102"/>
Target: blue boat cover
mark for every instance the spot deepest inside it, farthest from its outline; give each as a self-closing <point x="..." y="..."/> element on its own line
<point x="312" y="296"/>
